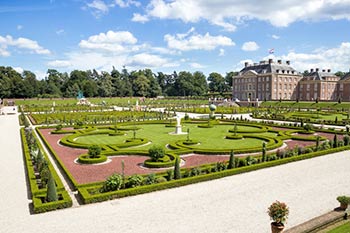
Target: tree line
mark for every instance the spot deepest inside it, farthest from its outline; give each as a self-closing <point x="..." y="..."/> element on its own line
<point x="143" y="83"/>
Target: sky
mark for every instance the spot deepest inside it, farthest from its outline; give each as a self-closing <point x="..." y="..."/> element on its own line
<point x="173" y="35"/>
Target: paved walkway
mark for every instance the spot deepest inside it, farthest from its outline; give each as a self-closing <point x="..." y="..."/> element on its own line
<point x="232" y="204"/>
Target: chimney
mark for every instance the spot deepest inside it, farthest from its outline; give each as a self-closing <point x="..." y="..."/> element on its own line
<point x="311" y="70"/>
<point x="323" y="70"/>
<point x="317" y="69"/>
<point x="329" y="70"/>
<point x="270" y="61"/>
<point x="279" y="61"/>
<point x="246" y="64"/>
<point x="288" y="62"/>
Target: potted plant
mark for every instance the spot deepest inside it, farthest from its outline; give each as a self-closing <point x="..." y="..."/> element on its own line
<point x="344" y="202"/>
<point x="278" y="212"/>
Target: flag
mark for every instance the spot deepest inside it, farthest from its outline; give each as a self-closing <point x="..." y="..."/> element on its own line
<point x="271" y="51"/>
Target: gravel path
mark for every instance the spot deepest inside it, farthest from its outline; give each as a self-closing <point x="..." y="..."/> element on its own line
<point x="232" y="204"/>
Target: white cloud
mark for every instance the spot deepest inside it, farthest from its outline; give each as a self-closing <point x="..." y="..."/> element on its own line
<point x="60" y="32"/>
<point x="185" y="42"/>
<point x="18" y="69"/>
<point x="115" y="48"/>
<point x="98" y="8"/>
<point x="337" y="58"/>
<point x="20" y="43"/>
<point x="250" y="46"/>
<point x="222" y="52"/>
<point x="127" y="3"/>
<point x="139" y="18"/>
<point x="275" y="37"/>
<point x="59" y="63"/>
<point x="110" y="41"/>
<point x="228" y="14"/>
<point x="19" y="27"/>
<point x="147" y="60"/>
<point x="196" y="65"/>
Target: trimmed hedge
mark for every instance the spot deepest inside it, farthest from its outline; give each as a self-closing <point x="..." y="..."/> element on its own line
<point x="169" y="161"/>
<point x="234" y="137"/>
<point x="37" y="192"/>
<point x="92" y="198"/>
<point x="85" y="159"/>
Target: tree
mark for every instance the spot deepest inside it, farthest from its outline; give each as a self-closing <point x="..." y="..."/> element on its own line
<point x="335" y="141"/>
<point x="94" y="151"/>
<point x="216" y="82"/>
<point x="318" y="143"/>
<point x="231" y="162"/>
<point x="156" y="152"/>
<point x="263" y="158"/>
<point x="229" y="80"/>
<point x="177" y="173"/>
<point x="200" y="86"/>
<point x="51" y="194"/>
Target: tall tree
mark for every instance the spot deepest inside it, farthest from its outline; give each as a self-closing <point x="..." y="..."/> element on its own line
<point x="216" y="82"/>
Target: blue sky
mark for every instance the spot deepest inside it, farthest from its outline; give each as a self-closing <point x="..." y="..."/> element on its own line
<point x="167" y="35"/>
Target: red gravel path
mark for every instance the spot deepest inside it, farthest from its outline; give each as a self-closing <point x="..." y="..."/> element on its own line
<point x="93" y="173"/>
<point x="292" y="143"/>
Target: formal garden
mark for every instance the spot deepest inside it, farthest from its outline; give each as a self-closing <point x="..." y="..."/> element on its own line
<point x="113" y="154"/>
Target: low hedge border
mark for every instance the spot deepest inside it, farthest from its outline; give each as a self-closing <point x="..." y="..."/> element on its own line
<point x="170" y="163"/>
<point x="38" y="206"/>
<point x="92" y="198"/>
<point x="85" y="159"/>
<point x="55" y="156"/>
<point x="234" y="137"/>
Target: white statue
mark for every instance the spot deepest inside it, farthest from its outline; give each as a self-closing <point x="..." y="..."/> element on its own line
<point x="178" y="120"/>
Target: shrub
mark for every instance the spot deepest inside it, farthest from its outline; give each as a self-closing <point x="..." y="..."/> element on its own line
<point x="278" y="212"/>
<point x="195" y="171"/>
<point x="51" y="194"/>
<point x="150" y="179"/>
<point x="169" y="175"/>
<point x="231" y="162"/>
<point x="134" y="181"/>
<point x="161" y="179"/>
<point x="346" y="140"/>
<point x="113" y="182"/>
<point x="59" y="127"/>
<point x="156" y="152"/>
<point x="94" y="151"/>
<point x="177" y="174"/>
<point x="343" y="200"/>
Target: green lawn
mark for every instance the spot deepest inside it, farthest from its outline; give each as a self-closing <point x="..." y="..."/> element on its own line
<point x="159" y="134"/>
<point x="345" y="228"/>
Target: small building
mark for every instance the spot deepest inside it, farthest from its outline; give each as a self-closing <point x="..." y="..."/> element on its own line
<point x="318" y="85"/>
<point x="266" y="80"/>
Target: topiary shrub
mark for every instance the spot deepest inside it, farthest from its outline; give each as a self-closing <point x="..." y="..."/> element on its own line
<point x="134" y="181"/>
<point x="177" y="174"/>
<point x="113" y="182"/>
<point x="94" y="151"/>
<point x="51" y="194"/>
<point x="156" y="153"/>
<point x="161" y="179"/>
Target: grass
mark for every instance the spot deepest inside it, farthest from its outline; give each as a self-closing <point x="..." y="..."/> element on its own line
<point x="309" y="104"/>
<point x="158" y="134"/>
<point x="345" y="228"/>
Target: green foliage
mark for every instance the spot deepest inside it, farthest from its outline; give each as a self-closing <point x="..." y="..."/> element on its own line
<point x="156" y="152"/>
<point x="113" y="182"/>
<point x="278" y="212"/>
<point x="177" y="174"/>
<point x="263" y="152"/>
<point x="231" y="162"/>
<point x="343" y="200"/>
<point x="59" y="127"/>
<point x="335" y="141"/>
<point x="150" y="179"/>
<point x="51" y="190"/>
<point x="134" y="181"/>
<point x="94" y="151"/>
<point x="346" y="140"/>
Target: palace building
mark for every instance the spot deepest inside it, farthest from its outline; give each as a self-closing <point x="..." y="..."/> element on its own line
<point x="267" y="80"/>
<point x="270" y="80"/>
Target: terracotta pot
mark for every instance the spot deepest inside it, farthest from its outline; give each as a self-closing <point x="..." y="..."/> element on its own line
<point x="276" y="228"/>
<point x="343" y="206"/>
